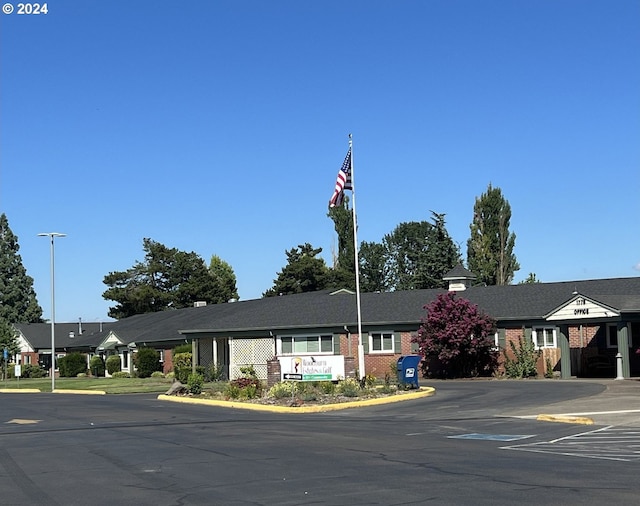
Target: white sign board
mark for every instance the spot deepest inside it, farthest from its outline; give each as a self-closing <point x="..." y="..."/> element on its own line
<point x="17" y="371"/>
<point x="582" y="308"/>
<point x="312" y="367"/>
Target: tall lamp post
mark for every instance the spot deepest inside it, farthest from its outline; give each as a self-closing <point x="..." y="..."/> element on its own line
<point x="52" y="236"/>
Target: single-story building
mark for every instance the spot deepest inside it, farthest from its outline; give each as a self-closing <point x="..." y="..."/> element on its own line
<point x="34" y="340"/>
<point x="579" y="325"/>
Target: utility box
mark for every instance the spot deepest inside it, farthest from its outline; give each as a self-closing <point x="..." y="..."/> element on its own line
<point x="408" y="371"/>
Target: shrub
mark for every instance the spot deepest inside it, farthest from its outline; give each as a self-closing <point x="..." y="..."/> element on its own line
<point x="244" y="388"/>
<point x="213" y="372"/>
<point x="113" y="364"/>
<point x="96" y="365"/>
<point x="72" y="364"/>
<point x="181" y="348"/>
<point x="182" y="366"/>
<point x="194" y="383"/>
<point x="282" y="390"/>
<point x="548" y="369"/>
<point x="523" y="365"/>
<point x="81" y="375"/>
<point x="30" y="371"/>
<point x="157" y="374"/>
<point x="327" y="387"/>
<point x="120" y="374"/>
<point x="147" y="361"/>
<point x="349" y="387"/>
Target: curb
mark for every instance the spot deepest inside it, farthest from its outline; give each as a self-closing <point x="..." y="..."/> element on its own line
<point x="19" y="391"/>
<point x="81" y="392"/>
<point x="583" y="420"/>
<point x="423" y="392"/>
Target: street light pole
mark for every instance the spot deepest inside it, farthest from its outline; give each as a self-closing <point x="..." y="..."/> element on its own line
<point x="52" y="236"/>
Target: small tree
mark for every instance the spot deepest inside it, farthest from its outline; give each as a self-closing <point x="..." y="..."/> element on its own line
<point x="456" y="339"/>
<point x="147" y="361"/>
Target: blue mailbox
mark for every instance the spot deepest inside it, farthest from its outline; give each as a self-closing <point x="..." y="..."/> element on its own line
<point x="408" y="370"/>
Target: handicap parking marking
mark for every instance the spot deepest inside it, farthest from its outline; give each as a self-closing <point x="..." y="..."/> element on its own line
<point x="605" y="443"/>
<point x="492" y="437"/>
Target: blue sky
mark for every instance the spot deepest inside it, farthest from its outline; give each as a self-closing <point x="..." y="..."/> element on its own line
<point x="219" y="127"/>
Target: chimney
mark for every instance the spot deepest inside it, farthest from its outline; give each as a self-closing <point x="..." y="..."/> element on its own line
<point x="79" y="326"/>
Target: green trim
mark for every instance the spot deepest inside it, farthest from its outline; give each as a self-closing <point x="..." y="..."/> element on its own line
<point x="397" y="342"/>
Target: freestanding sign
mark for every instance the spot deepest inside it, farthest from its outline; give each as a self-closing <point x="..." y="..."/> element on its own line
<point x="312" y="367"/>
<point x="17" y="371"/>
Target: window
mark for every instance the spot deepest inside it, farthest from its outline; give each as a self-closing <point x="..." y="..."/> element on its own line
<point x="381" y="342"/>
<point x="290" y="345"/>
<point x="496" y="341"/>
<point x="544" y="337"/>
<point x="612" y="335"/>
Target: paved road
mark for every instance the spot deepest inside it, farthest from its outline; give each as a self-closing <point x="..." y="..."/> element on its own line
<point x="461" y="446"/>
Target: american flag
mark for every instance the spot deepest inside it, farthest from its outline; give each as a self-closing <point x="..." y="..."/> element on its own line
<point x="343" y="181"/>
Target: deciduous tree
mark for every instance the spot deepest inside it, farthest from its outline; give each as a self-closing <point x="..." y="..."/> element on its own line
<point x="490" y="248"/>
<point x="456" y="339"/>
<point x="374" y="268"/>
<point x="419" y="254"/>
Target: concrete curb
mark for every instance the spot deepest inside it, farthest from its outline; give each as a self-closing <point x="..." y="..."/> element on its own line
<point x="19" y="391"/>
<point x="79" y="392"/>
<point x="583" y="420"/>
<point x="422" y="392"/>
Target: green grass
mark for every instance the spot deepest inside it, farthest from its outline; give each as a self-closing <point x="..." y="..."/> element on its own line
<point x="109" y="385"/>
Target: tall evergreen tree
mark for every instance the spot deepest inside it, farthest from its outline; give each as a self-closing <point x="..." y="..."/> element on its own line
<point x="304" y="272"/>
<point x="17" y="296"/>
<point x="344" y="270"/>
<point x="225" y="277"/>
<point x="490" y="248"/>
<point x="168" y="278"/>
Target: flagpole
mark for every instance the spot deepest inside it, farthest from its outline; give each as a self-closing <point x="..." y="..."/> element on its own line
<point x="361" y="372"/>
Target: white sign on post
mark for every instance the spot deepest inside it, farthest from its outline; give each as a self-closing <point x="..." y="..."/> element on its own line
<point x="18" y="371"/>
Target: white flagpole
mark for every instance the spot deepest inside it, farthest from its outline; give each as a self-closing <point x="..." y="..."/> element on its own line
<point x="361" y="372"/>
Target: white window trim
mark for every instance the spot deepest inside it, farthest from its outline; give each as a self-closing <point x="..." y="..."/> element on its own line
<point x="534" y="334"/>
<point x="305" y="336"/>
<point x="392" y="351"/>
<point x="496" y="341"/>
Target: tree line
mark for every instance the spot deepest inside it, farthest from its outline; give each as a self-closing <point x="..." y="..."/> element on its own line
<point x="413" y="255"/>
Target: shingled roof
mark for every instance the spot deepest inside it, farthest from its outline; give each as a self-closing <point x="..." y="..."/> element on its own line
<point x="67" y="335"/>
<point x="333" y="310"/>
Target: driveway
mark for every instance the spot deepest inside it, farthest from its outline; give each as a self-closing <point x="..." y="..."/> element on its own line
<point x="460" y="446"/>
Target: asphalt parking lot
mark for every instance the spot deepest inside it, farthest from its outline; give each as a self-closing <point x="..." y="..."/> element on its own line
<point x="474" y="442"/>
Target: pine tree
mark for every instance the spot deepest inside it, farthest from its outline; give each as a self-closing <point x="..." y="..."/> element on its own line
<point x="19" y="302"/>
<point x="490" y="248"/>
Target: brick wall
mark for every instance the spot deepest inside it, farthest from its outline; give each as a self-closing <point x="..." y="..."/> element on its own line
<point x="588" y="335"/>
<point x="377" y="364"/>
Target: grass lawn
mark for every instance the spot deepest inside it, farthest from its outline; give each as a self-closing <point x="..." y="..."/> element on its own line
<point x="109" y="385"/>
